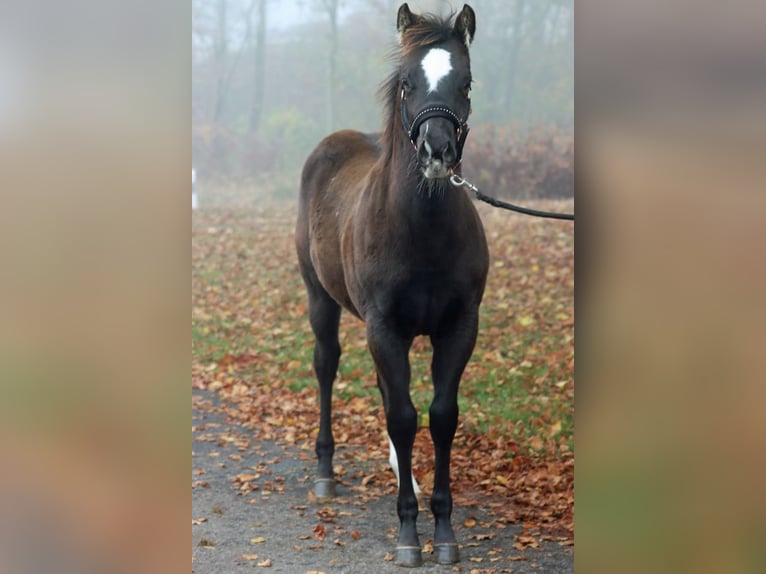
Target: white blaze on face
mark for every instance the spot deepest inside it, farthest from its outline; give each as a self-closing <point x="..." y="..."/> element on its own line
<point x="436" y="65"/>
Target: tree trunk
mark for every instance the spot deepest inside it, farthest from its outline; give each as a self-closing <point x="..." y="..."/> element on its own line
<point x="513" y="56"/>
<point x="332" y="77"/>
<point x="259" y="89"/>
<point x="221" y="49"/>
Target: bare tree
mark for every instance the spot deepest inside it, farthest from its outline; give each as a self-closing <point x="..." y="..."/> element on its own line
<point x="220" y="50"/>
<point x="224" y="74"/>
<point x="513" y="56"/>
<point x="331" y="9"/>
<point x="259" y="88"/>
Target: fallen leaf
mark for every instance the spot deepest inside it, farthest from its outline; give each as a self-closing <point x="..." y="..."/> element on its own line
<point x="367" y="479"/>
<point x="244" y="477"/>
<point x="537" y="469"/>
<point x="483" y="536"/>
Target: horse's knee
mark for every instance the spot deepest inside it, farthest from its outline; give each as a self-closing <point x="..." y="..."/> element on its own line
<point x="327" y="351"/>
<point x="444" y="408"/>
<point x="326" y="358"/>
<point x="402" y="423"/>
<point x="443" y="415"/>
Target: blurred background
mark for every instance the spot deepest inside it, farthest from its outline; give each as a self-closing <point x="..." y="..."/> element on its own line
<point x="94" y="241"/>
<point x="270" y="79"/>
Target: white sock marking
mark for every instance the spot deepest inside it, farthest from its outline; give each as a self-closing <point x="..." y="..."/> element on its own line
<point x="436" y="65"/>
<point x="395" y="465"/>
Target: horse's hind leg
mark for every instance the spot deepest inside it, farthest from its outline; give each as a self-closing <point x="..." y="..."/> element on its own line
<point x="324" y="314"/>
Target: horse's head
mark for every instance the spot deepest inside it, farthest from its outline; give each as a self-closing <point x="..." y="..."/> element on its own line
<point x="435" y="86"/>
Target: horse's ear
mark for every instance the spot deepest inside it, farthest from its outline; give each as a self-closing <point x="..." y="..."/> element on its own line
<point x="404" y="19"/>
<point x="465" y="24"/>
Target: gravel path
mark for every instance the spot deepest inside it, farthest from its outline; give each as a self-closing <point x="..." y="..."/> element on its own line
<point x="265" y="520"/>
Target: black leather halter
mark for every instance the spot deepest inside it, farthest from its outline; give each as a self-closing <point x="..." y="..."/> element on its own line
<point x="412" y="128"/>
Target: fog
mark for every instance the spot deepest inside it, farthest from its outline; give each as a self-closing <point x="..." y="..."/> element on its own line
<point x="270" y="79"/>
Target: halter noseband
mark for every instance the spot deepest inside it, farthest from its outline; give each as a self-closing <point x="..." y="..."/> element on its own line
<point x="412" y="128"/>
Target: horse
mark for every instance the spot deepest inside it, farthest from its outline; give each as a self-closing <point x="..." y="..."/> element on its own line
<point x="382" y="233"/>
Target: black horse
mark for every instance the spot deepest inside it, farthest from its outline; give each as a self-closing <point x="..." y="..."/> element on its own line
<point x="383" y="233"/>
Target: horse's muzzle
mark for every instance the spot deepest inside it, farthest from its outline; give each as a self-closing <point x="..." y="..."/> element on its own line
<point x="436" y="152"/>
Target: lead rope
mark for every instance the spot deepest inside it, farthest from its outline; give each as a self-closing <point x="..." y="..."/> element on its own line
<point x="459" y="181"/>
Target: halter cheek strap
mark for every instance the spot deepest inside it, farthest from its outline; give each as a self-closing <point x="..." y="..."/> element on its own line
<point x="412" y="128"/>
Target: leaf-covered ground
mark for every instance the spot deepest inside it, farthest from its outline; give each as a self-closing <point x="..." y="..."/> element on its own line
<point x="251" y="343"/>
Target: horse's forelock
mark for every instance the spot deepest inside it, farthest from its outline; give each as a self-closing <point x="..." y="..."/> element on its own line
<point x="427" y="30"/>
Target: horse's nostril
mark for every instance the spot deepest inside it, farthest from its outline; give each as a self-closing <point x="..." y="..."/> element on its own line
<point x="424" y="153"/>
<point x="442" y="150"/>
<point x="448" y="153"/>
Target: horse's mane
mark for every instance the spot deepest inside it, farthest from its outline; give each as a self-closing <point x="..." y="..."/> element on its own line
<point x="427" y="30"/>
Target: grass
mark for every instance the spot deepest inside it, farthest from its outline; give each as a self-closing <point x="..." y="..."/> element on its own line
<point x="249" y="301"/>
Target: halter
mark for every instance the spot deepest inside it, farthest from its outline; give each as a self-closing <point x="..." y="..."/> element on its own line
<point x="461" y="127"/>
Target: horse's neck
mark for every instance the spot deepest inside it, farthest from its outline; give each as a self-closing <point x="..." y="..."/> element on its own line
<point x="408" y="192"/>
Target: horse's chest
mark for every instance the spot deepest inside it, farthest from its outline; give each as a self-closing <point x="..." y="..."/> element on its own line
<point x="424" y="303"/>
<point x="416" y="281"/>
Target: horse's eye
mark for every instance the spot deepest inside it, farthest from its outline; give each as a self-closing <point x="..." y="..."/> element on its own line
<point x="406" y="84"/>
<point x="467" y="88"/>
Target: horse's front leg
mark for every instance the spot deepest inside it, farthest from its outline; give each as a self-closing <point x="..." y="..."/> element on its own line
<point x="450" y="356"/>
<point x="324" y="314"/>
<point x="390" y="353"/>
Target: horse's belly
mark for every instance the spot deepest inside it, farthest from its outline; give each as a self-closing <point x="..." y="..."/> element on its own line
<point x="329" y="270"/>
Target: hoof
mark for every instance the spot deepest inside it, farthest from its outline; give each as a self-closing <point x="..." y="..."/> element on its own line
<point x="447" y="553"/>
<point x="410" y="556"/>
<point x="324" y="488"/>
